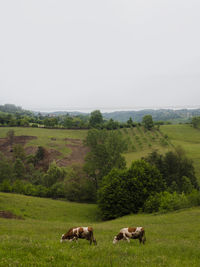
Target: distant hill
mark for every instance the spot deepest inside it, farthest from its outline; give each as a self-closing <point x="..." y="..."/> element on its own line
<point x="182" y="115"/>
<point x="174" y="116"/>
<point x="171" y="115"/>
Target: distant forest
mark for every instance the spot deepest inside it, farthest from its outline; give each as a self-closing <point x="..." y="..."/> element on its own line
<point x="16" y="116"/>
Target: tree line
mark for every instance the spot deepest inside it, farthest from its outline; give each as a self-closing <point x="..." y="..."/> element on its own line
<point x="10" y="115"/>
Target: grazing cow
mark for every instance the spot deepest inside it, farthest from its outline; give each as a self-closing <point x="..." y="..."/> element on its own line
<point x="130" y="233"/>
<point x="79" y="232"/>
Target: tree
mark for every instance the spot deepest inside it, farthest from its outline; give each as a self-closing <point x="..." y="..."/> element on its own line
<point x="125" y="191"/>
<point x="18" y="152"/>
<point x="19" y="169"/>
<point x="78" y="187"/>
<point x="148" y="122"/>
<point x="10" y="136"/>
<point x="174" y="165"/>
<point x="96" y="119"/>
<point x="106" y="148"/>
<point x="130" y="122"/>
<point x="196" y="122"/>
<point x="54" y="174"/>
<point x="6" y="169"/>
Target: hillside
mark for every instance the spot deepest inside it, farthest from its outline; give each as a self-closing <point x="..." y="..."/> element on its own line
<point x="188" y="138"/>
<point x="35" y="240"/>
<point x="66" y="147"/>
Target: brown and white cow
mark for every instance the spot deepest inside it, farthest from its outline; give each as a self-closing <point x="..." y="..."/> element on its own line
<point x="130" y="233"/>
<point x="79" y="232"/>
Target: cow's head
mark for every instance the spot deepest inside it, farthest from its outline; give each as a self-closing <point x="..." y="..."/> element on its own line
<point x="64" y="237"/>
<point x="115" y="240"/>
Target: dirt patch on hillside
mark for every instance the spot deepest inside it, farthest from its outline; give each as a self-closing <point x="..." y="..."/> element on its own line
<point x="22" y="140"/>
<point x="77" y="155"/>
<point x="9" y="215"/>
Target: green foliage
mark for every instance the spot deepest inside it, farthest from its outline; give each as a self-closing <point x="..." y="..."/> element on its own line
<point x="39" y="154"/>
<point x="10" y="136"/>
<point x="177" y="170"/>
<point x="196" y="122"/>
<point x="18" y="152"/>
<point x="54" y="174"/>
<point x="106" y="148"/>
<point x="19" y="169"/>
<point x="125" y="191"/>
<point x="96" y="119"/>
<point x="148" y="122"/>
<point x="5" y="186"/>
<point x="78" y="187"/>
<point x="165" y="201"/>
<point x="6" y="169"/>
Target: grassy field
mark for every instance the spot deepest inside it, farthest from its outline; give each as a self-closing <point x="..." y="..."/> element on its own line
<point x="188" y="138"/>
<point x="142" y="142"/>
<point x="45" y="136"/>
<point x="172" y="239"/>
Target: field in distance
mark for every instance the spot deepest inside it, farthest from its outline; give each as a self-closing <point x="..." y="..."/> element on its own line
<point x="65" y="146"/>
<point x="172" y="239"/>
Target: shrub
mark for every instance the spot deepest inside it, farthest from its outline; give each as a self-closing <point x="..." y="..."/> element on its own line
<point x="194" y="198"/>
<point x="166" y="201"/>
<point x="5" y="186"/>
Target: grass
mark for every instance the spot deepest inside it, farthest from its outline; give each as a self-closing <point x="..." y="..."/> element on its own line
<point x="45" y="136"/>
<point x="172" y="239"/>
<point x="144" y="143"/>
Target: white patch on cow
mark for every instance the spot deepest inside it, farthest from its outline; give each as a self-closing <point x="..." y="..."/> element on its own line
<point x="61" y="240"/>
<point x="138" y="229"/>
<point x="125" y="233"/>
<point x="115" y="240"/>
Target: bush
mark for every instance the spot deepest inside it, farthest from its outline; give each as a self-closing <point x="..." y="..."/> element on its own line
<point x="5" y="186"/>
<point x="166" y="201"/>
<point x="194" y="198"/>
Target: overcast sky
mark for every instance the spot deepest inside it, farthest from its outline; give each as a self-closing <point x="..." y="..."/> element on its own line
<point x="88" y="54"/>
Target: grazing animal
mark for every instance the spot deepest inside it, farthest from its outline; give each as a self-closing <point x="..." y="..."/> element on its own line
<point x="130" y="233"/>
<point x="79" y="232"/>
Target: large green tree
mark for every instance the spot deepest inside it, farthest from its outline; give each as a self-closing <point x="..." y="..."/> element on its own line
<point x="148" y="122"/>
<point x="125" y="191"/>
<point x="106" y="148"/>
<point x="96" y="119"/>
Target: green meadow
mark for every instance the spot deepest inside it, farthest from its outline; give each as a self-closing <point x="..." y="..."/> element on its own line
<point x="172" y="239"/>
<point x="48" y="138"/>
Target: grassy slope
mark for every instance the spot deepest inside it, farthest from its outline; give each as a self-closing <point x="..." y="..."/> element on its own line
<point x="144" y="142"/>
<point x="44" y="136"/>
<point x="172" y="239"/>
<point x="188" y="138"/>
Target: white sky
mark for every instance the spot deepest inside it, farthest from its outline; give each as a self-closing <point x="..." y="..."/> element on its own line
<point x="73" y="54"/>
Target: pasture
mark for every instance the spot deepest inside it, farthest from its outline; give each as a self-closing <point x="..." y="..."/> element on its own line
<point x="172" y="239"/>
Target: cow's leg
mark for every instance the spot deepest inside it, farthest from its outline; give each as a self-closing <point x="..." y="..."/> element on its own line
<point x="75" y="238"/>
<point x="94" y="241"/>
<point x="126" y="238"/>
